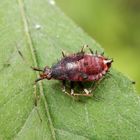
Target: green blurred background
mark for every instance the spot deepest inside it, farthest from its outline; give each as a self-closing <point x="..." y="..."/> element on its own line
<point x="115" y="24"/>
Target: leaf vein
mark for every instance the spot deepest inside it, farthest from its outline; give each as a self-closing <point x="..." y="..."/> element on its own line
<point x="24" y="124"/>
<point x="66" y="131"/>
<point x="34" y="57"/>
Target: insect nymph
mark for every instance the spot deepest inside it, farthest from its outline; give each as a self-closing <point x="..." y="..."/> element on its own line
<point x="77" y="67"/>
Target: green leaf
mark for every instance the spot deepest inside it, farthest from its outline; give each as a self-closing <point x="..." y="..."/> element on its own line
<point x="42" y="31"/>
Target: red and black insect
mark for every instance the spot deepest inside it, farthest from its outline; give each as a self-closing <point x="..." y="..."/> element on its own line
<point x="78" y="67"/>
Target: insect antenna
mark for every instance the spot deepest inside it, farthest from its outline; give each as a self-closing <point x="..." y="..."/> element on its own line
<point x="37" y="69"/>
<point x="35" y="88"/>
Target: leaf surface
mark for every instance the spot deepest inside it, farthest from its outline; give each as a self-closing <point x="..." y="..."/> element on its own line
<point x="42" y="31"/>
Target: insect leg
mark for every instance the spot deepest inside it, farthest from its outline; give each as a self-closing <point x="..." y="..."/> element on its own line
<point x="84" y="89"/>
<point x="77" y="94"/>
<point x="91" y="51"/>
<point x="64" y="54"/>
<point x="64" y="88"/>
<point x="83" y="48"/>
<point x="86" y="46"/>
<point x="64" y="85"/>
<point x="87" y="92"/>
<point x="72" y="88"/>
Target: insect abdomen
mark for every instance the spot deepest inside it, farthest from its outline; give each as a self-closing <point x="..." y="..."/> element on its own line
<point x="92" y="65"/>
<point x="87" y="68"/>
<point x="90" y="68"/>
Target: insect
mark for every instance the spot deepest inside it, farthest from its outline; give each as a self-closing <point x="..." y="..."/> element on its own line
<point x="77" y="67"/>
